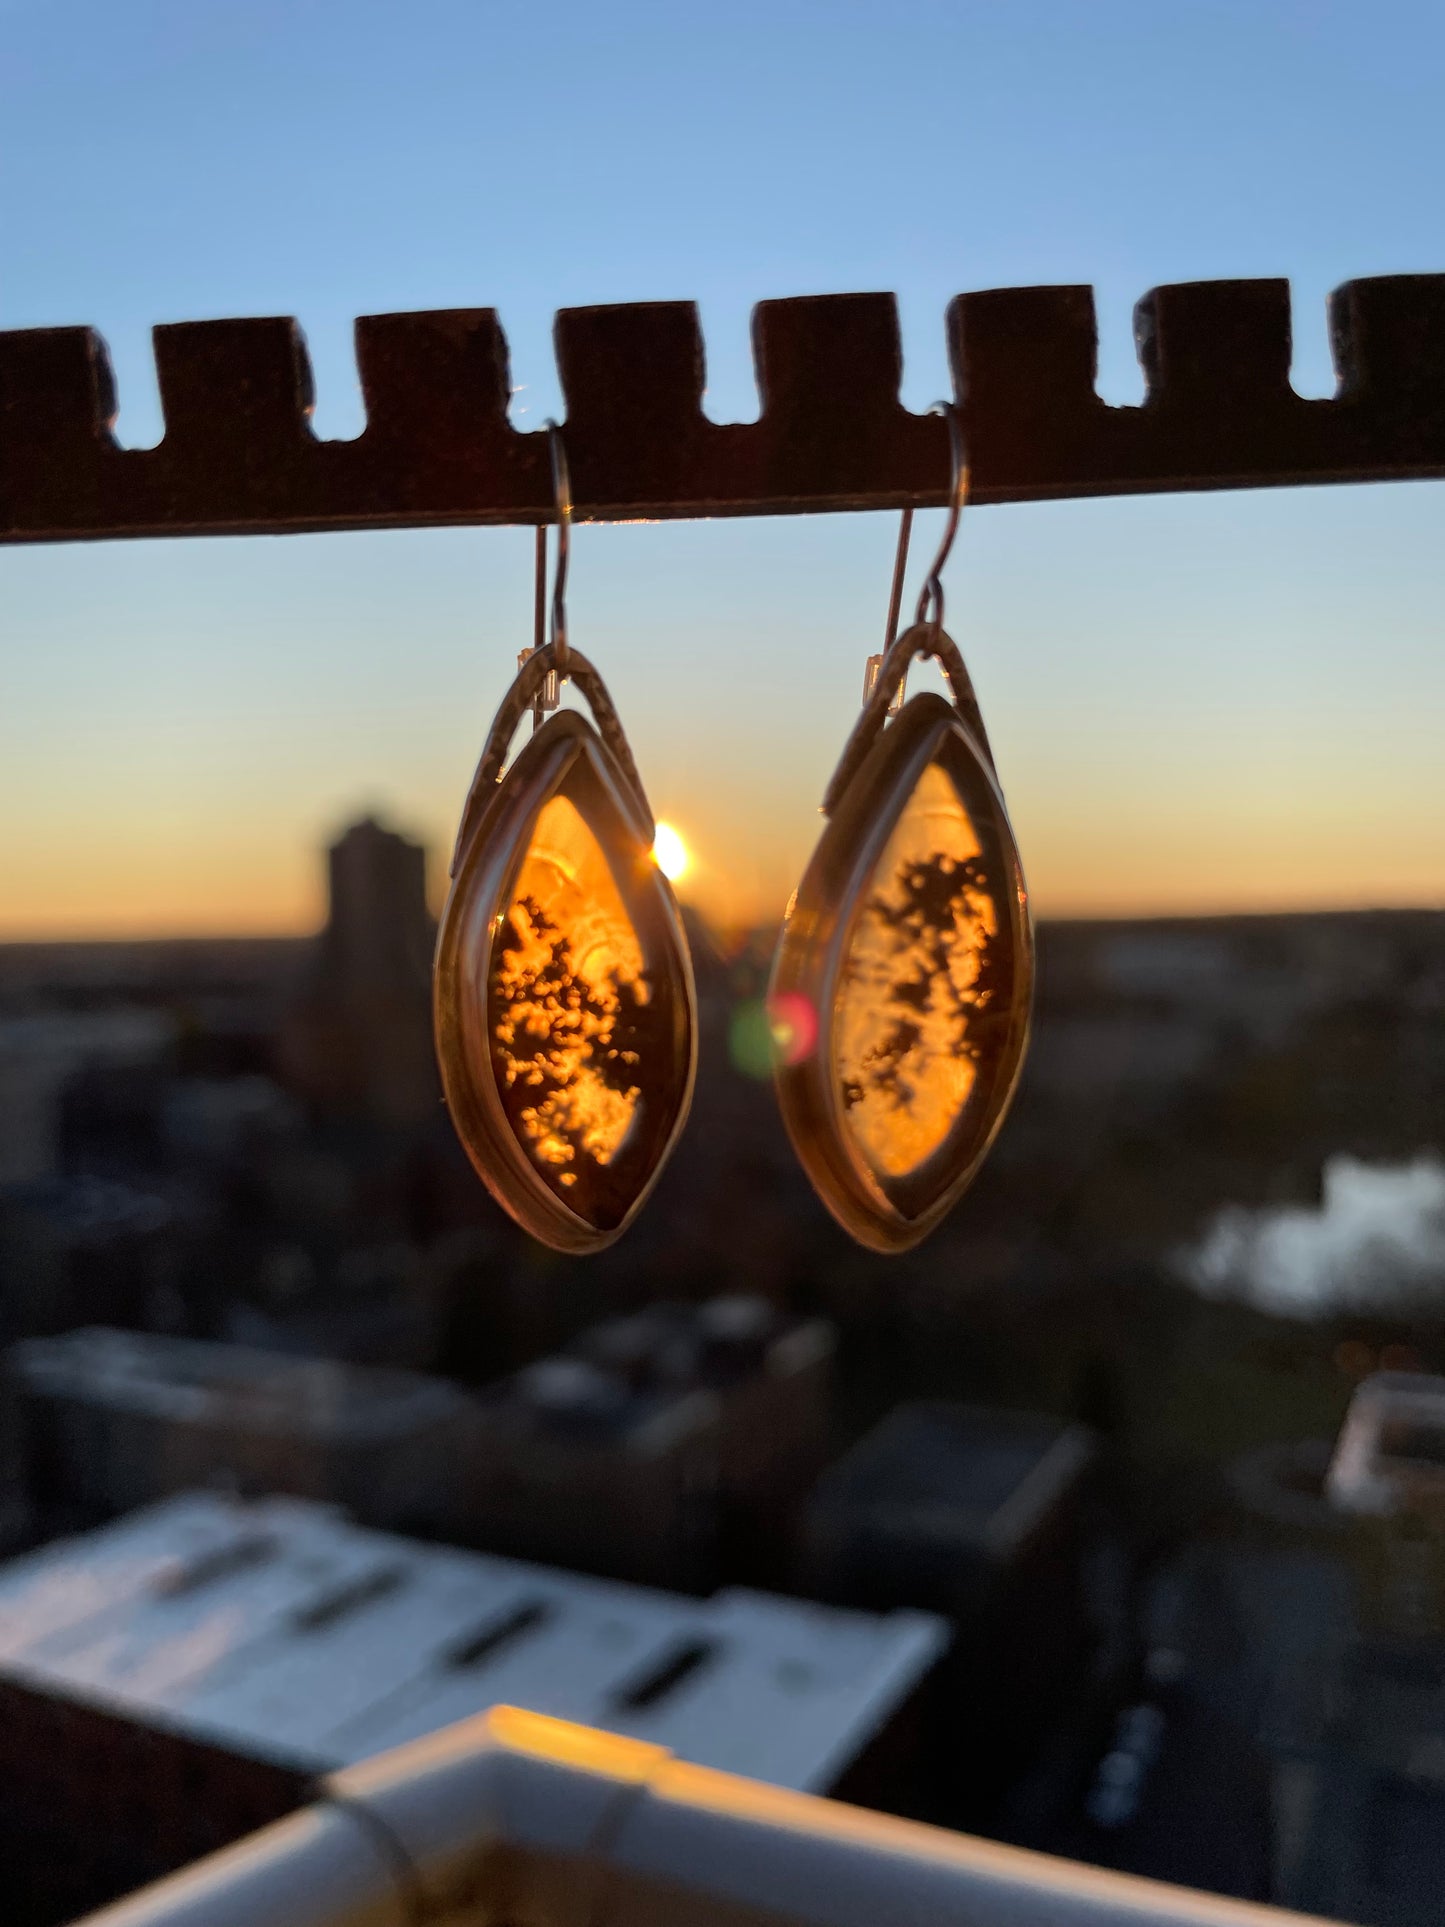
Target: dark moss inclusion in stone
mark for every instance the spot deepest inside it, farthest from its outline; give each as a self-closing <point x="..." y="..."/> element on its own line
<point x="918" y="1006"/>
<point x="578" y="1033"/>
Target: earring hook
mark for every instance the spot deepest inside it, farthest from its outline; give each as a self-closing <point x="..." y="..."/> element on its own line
<point x="549" y="689"/>
<point x="931" y="596"/>
<point x="895" y="602"/>
<point x="562" y="497"/>
<point x="929" y="613"/>
<point x="900" y="567"/>
<point x="539" y="589"/>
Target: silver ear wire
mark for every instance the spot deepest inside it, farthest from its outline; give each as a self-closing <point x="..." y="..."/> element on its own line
<point x="895" y="603"/>
<point x="900" y="565"/>
<point x="549" y="691"/>
<point x="930" y="601"/>
<point x="562" y="494"/>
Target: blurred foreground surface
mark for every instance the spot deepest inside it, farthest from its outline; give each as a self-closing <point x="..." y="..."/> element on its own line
<point x="515" y="1816"/>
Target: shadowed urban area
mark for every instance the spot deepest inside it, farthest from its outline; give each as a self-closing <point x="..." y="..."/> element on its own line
<point x="1109" y="1521"/>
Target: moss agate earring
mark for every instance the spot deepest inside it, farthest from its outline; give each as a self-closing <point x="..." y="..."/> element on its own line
<point x="564" y="1010"/>
<point x="903" y="980"/>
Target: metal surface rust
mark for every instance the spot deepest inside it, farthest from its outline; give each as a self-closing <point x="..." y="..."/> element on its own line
<point x="239" y="457"/>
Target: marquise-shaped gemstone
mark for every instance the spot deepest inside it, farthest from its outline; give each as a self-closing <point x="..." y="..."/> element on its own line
<point x="565" y="1021"/>
<point x="920" y="976"/>
<point x="574" y="1025"/>
<point x="911" y="941"/>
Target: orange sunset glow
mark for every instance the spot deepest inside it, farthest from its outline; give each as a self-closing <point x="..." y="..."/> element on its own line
<point x="155" y="789"/>
<point x="124" y="877"/>
<point x="910" y="983"/>
<point x="570" y="1015"/>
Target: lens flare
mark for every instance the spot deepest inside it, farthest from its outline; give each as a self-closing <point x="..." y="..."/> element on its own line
<point x="784" y="1030"/>
<point x="793" y="1026"/>
<point x="750" y="1043"/>
<point x="670" y="853"/>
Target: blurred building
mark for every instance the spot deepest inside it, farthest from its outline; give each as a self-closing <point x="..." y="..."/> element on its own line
<point x="772" y="1378"/>
<point x="223" y="1121"/>
<point x="43" y="1053"/>
<point x="1387" y="1478"/>
<point x="176" y="1679"/>
<point x="1371" y="1799"/>
<point x="983" y="1516"/>
<point x="1389" y="1458"/>
<point x="1276" y="1650"/>
<point x="359" y="1041"/>
<point x="1312" y="1634"/>
<point x="78" y="1250"/>
<point x="666" y="1447"/>
<point x="114" y="1419"/>
<point x="499" y="1300"/>
<point x="14" y="1496"/>
<point x="566" y="1462"/>
<point x="366" y="1305"/>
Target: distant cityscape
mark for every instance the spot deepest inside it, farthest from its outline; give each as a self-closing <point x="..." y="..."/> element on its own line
<point x="1054" y="1529"/>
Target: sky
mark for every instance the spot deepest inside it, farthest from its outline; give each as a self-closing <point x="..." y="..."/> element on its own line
<point x="1198" y="703"/>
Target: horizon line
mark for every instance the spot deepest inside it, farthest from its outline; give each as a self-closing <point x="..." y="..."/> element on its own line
<point x="1238" y="914"/>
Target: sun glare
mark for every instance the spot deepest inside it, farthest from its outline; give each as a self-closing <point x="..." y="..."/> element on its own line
<point x="669" y="852"/>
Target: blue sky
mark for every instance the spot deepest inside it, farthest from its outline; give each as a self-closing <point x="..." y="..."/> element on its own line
<point x="1197" y="701"/>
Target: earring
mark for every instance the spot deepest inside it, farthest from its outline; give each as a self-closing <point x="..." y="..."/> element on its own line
<point x="902" y="984"/>
<point x="565" y="1016"/>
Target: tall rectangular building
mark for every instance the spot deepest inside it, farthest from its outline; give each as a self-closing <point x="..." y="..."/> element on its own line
<point x="359" y="1041"/>
<point x="983" y="1516"/>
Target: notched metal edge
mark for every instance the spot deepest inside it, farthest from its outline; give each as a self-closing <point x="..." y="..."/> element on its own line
<point x="239" y="454"/>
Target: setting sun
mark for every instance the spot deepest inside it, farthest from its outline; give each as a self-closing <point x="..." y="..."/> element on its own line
<point x="670" y="853"/>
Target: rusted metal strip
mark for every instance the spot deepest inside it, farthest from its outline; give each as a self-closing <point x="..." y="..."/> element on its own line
<point x="239" y="457"/>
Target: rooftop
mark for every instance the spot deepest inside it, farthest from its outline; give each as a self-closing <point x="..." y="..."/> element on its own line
<point x="281" y="1631"/>
<point x="969" y="1468"/>
<point x="1390" y="1454"/>
<point x="191" y="1379"/>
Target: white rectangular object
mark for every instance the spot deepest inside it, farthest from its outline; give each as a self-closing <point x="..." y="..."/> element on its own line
<point x="284" y="1633"/>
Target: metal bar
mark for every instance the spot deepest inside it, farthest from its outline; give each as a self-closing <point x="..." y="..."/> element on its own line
<point x="239" y="457"/>
<point x="515" y="1817"/>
